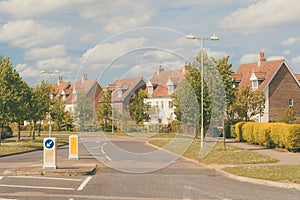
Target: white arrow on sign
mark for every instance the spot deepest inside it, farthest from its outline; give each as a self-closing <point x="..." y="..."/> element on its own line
<point x="48" y="145"/>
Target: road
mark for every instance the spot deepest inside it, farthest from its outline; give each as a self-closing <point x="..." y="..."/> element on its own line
<point x="125" y="178"/>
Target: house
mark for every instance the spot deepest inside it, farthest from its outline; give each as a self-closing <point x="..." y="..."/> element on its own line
<point x="122" y="89"/>
<point x="68" y="92"/>
<point x="159" y="90"/>
<point x="276" y="80"/>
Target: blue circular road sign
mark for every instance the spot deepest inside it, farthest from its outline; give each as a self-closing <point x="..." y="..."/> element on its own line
<point x="49" y="143"/>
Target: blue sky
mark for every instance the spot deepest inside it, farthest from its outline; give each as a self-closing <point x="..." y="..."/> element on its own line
<point x="112" y="39"/>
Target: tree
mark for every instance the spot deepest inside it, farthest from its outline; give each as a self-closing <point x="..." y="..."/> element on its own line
<point x="40" y="104"/>
<point x="67" y="123"/>
<point x="104" y="110"/>
<point x="83" y="113"/>
<point x="193" y="83"/>
<point x="138" y="109"/>
<point x="226" y="72"/>
<point x="289" y="115"/>
<point x="248" y="104"/>
<point x="58" y="113"/>
<point x="21" y="105"/>
<point x="14" y="95"/>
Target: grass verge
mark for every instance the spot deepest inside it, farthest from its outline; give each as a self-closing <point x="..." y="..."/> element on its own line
<point x="285" y="173"/>
<point x="230" y="156"/>
<point x="26" y="145"/>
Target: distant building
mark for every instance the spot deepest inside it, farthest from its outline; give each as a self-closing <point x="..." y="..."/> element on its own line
<point x="122" y="90"/>
<point x="68" y="92"/>
<point x="159" y="90"/>
<point x="276" y="80"/>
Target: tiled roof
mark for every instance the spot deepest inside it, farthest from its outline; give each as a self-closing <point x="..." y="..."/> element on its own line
<point x="80" y="87"/>
<point x="57" y="89"/>
<point x="160" y="78"/>
<point x="127" y="85"/>
<point x="264" y="72"/>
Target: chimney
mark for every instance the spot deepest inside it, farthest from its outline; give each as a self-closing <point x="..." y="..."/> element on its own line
<point x="84" y="78"/>
<point x="160" y="69"/>
<point x="60" y="80"/>
<point x="261" y="58"/>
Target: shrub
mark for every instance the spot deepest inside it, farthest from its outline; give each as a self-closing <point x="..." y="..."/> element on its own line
<point x="7" y="132"/>
<point x="271" y="135"/>
<point x="238" y="131"/>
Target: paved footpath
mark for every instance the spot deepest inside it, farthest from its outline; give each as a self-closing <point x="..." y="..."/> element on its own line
<point x="285" y="157"/>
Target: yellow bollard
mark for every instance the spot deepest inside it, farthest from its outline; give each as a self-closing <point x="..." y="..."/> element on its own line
<point x="73" y="147"/>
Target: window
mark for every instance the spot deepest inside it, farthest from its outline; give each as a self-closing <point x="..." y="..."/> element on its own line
<point x="170" y="89"/>
<point x="254" y="84"/>
<point x="162" y="104"/>
<point x="150" y="90"/>
<point x="290" y="102"/>
<point x="170" y="104"/>
<point x="120" y="93"/>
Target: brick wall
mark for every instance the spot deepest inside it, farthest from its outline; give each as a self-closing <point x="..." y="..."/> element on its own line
<point x="282" y="87"/>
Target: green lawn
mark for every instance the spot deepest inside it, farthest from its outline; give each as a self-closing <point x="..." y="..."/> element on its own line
<point x="287" y="173"/>
<point x="229" y="156"/>
<point x="27" y="144"/>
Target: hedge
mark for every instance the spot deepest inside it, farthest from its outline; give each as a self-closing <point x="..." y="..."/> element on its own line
<point x="273" y="135"/>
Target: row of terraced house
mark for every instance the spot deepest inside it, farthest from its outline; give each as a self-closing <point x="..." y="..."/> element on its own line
<point x="275" y="78"/>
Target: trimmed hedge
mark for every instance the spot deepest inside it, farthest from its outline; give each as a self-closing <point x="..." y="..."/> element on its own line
<point x="273" y="135"/>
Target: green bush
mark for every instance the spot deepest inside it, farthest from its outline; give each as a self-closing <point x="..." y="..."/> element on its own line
<point x="271" y="135"/>
<point x="232" y="131"/>
<point x="7" y="132"/>
<point x="238" y="131"/>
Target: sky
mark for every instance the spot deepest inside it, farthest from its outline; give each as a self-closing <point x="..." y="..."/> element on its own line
<point x="125" y="38"/>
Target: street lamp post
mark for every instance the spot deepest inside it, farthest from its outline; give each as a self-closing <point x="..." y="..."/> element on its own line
<point x="49" y="73"/>
<point x="192" y="37"/>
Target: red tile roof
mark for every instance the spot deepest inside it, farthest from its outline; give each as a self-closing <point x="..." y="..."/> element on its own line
<point x="127" y="85"/>
<point x="265" y="72"/>
<point x="160" y="78"/>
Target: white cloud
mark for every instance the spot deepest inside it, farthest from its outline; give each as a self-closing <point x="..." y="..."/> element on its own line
<point x="52" y="64"/>
<point x="32" y="8"/>
<point x="27" y="72"/>
<point x="262" y="15"/>
<point x="43" y="53"/>
<point x="290" y="41"/>
<point x="216" y="54"/>
<point x="296" y="60"/>
<point x="28" y="33"/>
<point x="118" y="15"/>
<point x="103" y="53"/>
<point x="249" y="58"/>
<point x="286" y="52"/>
<point x="275" y="58"/>
<point x="160" y="54"/>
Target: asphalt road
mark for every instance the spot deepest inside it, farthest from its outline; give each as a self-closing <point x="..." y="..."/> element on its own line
<point x="177" y="179"/>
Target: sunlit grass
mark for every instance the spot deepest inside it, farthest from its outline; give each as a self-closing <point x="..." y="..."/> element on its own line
<point x="230" y="156"/>
<point x="287" y="173"/>
<point x="26" y="145"/>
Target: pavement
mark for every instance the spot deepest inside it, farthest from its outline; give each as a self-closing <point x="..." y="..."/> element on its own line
<point x="85" y="165"/>
<point x="88" y="165"/>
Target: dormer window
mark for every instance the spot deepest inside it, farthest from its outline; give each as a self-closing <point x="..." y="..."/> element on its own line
<point x="120" y="92"/>
<point x="170" y="89"/>
<point x="170" y="86"/>
<point x="254" y="81"/>
<point x="150" y="88"/>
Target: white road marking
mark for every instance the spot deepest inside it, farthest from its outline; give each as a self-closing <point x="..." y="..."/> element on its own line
<point x="37" y="187"/>
<point x="98" y="141"/>
<point x="102" y="152"/>
<point x="7" y="199"/>
<point x="108" y="158"/>
<point x="84" y="183"/>
<point x="1" y="177"/>
<point x="104" y="144"/>
<point x="46" y="178"/>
